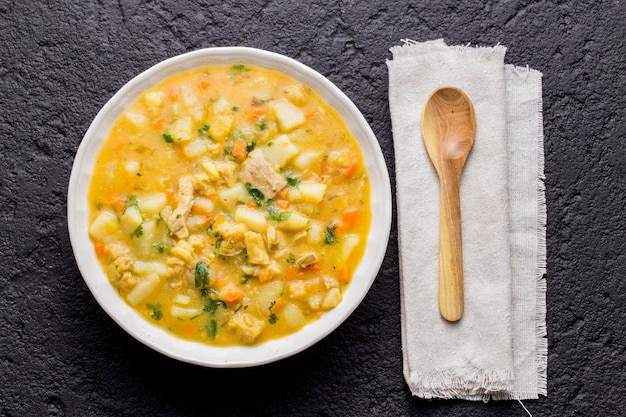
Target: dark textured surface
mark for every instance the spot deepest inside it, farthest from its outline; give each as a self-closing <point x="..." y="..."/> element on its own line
<point x="60" y="61"/>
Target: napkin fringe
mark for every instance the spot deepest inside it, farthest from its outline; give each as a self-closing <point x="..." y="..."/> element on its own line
<point x="541" y="352"/>
<point x="466" y="384"/>
<point x="412" y="48"/>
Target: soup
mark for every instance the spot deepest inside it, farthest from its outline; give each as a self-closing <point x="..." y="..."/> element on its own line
<point x="230" y="205"/>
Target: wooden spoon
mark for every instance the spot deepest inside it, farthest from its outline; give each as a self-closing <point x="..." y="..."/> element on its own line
<point x="448" y="128"/>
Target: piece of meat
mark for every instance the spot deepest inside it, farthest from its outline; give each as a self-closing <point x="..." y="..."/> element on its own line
<point x="247" y="326"/>
<point x="259" y="173"/>
<point x="178" y="218"/>
<point x="307" y="260"/>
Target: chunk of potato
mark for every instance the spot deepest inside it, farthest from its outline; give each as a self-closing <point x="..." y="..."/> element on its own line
<point x="152" y="204"/>
<point x="104" y="225"/>
<point x="184" y="312"/>
<point x="312" y="192"/>
<point x="154" y="98"/>
<point x="197" y="148"/>
<point x="191" y="101"/>
<point x="292" y="316"/>
<point x="268" y="294"/>
<point x="254" y="219"/>
<point x="203" y="205"/>
<point x="230" y="197"/>
<point x="295" y="221"/>
<point x="348" y="244"/>
<point x="332" y="299"/>
<point x="182" y="130"/>
<point x="305" y="160"/>
<point x="281" y="151"/>
<point x="137" y="119"/>
<point x="150" y="267"/>
<point x="143" y="289"/>
<point x="287" y="115"/>
<point x="220" y="127"/>
<point x="131" y="219"/>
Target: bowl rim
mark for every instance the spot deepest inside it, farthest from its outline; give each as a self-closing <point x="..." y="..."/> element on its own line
<point x="196" y="352"/>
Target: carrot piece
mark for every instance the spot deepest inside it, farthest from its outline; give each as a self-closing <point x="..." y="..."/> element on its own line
<point x="204" y="84"/>
<point x="291" y="272"/>
<point x="220" y="281"/>
<point x="264" y="277"/>
<point x="345" y="275"/>
<point x="118" y="202"/>
<point x="349" y="170"/>
<point x="278" y="304"/>
<point x="99" y="247"/>
<point x="239" y="150"/>
<point x="188" y="328"/>
<point x="233" y="295"/>
<point x="212" y="197"/>
<point x="256" y="115"/>
<point x="315" y="267"/>
<point x="172" y="94"/>
<point x="349" y="217"/>
<point x="283" y="194"/>
<point x="282" y="204"/>
<point x="171" y="195"/>
<point x="160" y="123"/>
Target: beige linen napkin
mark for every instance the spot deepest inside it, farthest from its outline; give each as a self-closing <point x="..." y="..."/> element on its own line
<point x="498" y="349"/>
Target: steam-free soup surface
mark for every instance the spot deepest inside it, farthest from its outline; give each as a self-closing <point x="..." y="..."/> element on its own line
<point x="230" y="205"/>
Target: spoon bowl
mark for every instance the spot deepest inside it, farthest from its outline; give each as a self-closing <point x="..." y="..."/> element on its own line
<point x="448" y="130"/>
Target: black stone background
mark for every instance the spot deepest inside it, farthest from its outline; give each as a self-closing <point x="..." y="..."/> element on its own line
<point x="60" y="61"/>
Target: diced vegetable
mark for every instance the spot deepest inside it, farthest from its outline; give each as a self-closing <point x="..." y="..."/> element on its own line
<point x="332" y="298"/>
<point x="230" y="197"/>
<point x="182" y="312"/>
<point x="281" y="151"/>
<point x="220" y="127"/>
<point x="139" y="120"/>
<point x="154" y="98"/>
<point x="312" y="192"/>
<point x="197" y="148"/>
<point x="152" y="204"/>
<point x="254" y="219"/>
<point x="143" y="289"/>
<point x="182" y="130"/>
<point x="295" y="221"/>
<point x="104" y="226"/>
<point x="131" y="219"/>
<point x="292" y="315"/>
<point x="288" y="115"/>
<point x="204" y="205"/>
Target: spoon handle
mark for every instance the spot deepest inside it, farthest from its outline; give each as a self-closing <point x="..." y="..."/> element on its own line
<point x="451" y="302"/>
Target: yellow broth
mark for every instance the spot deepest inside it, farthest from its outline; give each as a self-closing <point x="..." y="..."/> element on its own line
<point x="230" y="205"/>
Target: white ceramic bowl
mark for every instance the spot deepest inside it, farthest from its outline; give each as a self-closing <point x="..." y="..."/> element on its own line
<point x="194" y="352"/>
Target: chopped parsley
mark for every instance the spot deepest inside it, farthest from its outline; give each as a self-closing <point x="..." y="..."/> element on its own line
<point x="201" y="274"/>
<point x="137" y="232"/>
<point x="250" y="147"/>
<point x="330" y="235"/>
<point x="270" y="144"/>
<point x="159" y="247"/>
<point x="235" y="109"/>
<point x="262" y="125"/>
<point x="256" y="194"/>
<point x="291" y="260"/>
<point x="212" y="328"/>
<point x="167" y="224"/>
<point x="131" y="200"/>
<point x="277" y="215"/>
<point x="273" y="318"/>
<point x="292" y="181"/>
<point x="155" y="311"/>
<point x="238" y="69"/>
<point x="168" y="138"/>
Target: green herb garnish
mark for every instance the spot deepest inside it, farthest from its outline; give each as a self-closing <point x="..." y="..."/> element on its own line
<point x="137" y="232"/>
<point x="273" y="318"/>
<point x="256" y="194"/>
<point x="167" y="137"/>
<point x="262" y="125"/>
<point x="201" y="274"/>
<point x="330" y="235"/>
<point x="155" y="311"/>
<point x="238" y="69"/>
<point x="292" y="181"/>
